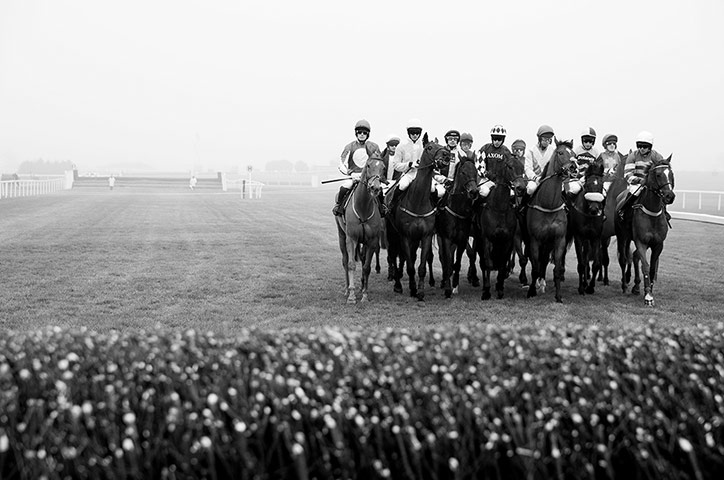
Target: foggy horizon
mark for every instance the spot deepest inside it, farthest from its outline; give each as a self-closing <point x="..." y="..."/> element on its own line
<point x="220" y="86"/>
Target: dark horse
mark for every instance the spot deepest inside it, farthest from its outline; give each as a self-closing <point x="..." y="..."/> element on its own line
<point x="547" y="221"/>
<point x="360" y="228"/>
<point x="411" y="222"/>
<point x="453" y="223"/>
<point x="618" y="185"/>
<point x="585" y="224"/>
<point x="497" y="224"/>
<point x="647" y="228"/>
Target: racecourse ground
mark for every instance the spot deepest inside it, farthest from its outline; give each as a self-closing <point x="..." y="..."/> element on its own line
<point x="132" y="259"/>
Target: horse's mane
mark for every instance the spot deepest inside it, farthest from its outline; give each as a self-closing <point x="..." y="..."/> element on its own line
<point x="595" y="168"/>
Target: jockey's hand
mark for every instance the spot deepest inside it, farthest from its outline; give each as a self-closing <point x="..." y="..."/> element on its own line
<point x="448" y="184"/>
<point x="636" y="181"/>
<point x="440" y="178"/>
<point x="355" y="175"/>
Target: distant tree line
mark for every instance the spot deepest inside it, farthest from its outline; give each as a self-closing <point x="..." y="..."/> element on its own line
<point x="44" y="167"/>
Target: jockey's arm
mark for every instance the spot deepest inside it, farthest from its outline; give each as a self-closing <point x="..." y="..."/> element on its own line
<point x="343" y="167"/>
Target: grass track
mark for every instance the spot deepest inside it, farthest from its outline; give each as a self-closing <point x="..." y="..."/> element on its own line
<point x="132" y="259"/>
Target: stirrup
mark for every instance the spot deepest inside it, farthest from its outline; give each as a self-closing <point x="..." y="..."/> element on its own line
<point x="338" y="210"/>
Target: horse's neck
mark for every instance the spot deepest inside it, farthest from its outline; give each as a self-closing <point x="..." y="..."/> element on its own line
<point x="650" y="200"/>
<point x="548" y="193"/>
<point x="419" y="189"/>
<point x="363" y="201"/>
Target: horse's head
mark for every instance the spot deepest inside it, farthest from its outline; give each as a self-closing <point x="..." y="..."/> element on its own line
<point x="563" y="162"/>
<point x="372" y="174"/>
<point x="466" y="179"/>
<point x="434" y="154"/>
<point x="593" y="189"/>
<point x="660" y="179"/>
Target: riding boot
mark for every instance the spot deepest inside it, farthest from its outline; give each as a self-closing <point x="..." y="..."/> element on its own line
<point x="383" y="208"/>
<point x="624" y="206"/>
<point x="339" y="206"/>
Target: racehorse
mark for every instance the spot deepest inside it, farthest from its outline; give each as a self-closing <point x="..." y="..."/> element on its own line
<point x="618" y="185"/>
<point x="452" y="223"/>
<point x="411" y="222"/>
<point x="359" y="230"/>
<point x="647" y="227"/>
<point x="497" y="223"/>
<point x="547" y="221"/>
<point x="585" y="224"/>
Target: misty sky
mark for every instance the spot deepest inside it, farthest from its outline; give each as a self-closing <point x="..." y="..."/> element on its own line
<point x="196" y="85"/>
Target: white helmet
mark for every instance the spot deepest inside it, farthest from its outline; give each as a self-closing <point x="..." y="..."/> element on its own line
<point x="414" y="123"/>
<point x="498" y="130"/>
<point x="645" y="137"/>
<point x="360" y="157"/>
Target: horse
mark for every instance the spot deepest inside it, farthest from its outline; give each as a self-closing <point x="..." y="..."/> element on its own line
<point x="585" y="224"/>
<point x="452" y="224"/>
<point x="647" y="228"/>
<point x="411" y="222"/>
<point x="547" y="221"/>
<point x="359" y="230"/>
<point x="497" y="223"/>
<point x="618" y="185"/>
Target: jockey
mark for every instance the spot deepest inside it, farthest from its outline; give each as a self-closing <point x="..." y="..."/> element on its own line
<point x="391" y="158"/>
<point x="494" y="156"/>
<point x="537" y="157"/>
<point x="518" y="148"/>
<point x="611" y="159"/>
<point x="410" y="154"/>
<point x="351" y="162"/>
<point x="446" y="175"/>
<point x="466" y="143"/>
<point x="586" y="153"/>
<point x="635" y="168"/>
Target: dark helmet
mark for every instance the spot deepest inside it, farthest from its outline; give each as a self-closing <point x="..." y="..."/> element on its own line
<point x="362" y="125"/>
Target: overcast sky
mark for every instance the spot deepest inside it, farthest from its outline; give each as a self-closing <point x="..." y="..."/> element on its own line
<point x="181" y="85"/>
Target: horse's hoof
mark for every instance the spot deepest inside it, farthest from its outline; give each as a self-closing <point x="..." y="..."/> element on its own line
<point x="500" y="294"/>
<point x="364" y="299"/>
<point x="421" y="296"/>
<point x="649" y="300"/>
<point x="413" y="293"/>
<point x="448" y="293"/>
<point x="432" y="282"/>
<point x="485" y="296"/>
<point x="581" y="291"/>
<point x="605" y="282"/>
<point x="397" y="289"/>
<point x="531" y="293"/>
<point x="590" y="290"/>
<point x="377" y="270"/>
<point x="456" y="290"/>
<point x="475" y="282"/>
<point x="351" y="301"/>
<point x="635" y="290"/>
<point x="559" y="300"/>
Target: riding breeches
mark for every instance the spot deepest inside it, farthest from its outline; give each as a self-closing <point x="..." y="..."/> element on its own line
<point x="406" y="180"/>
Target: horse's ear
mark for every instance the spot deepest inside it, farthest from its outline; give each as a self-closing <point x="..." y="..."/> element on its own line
<point x="668" y="160"/>
<point x="436" y="140"/>
<point x="425" y="140"/>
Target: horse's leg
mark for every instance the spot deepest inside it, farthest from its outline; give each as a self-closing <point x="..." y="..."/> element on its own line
<point x="559" y="254"/>
<point x="367" y="269"/>
<point x="471" y="250"/>
<point x="605" y="260"/>
<point x="446" y="259"/>
<point x="459" y="251"/>
<point x="378" y="269"/>
<point x="595" y="256"/>
<point x="646" y="272"/>
<point x="484" y="269"/>
<point x="399" y="272"/>
<point x="582" y="264"/>
<point x="410" y="249"/>
<point x="522" y="261"/>
<point x="390" y="266"/>
<point x="624" y="258"/>
<point x="534" y="256"/>
<point x="342" y="235"/>
<point x="430" y="259"/>
<point x="425" y="252"/>
<point x="351" y="268"/>
<point x="546" y="253"/>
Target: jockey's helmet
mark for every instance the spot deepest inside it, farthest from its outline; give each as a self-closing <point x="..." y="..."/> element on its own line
<point x="466" y="137"/>
<point x="362" y="125"/>
<point x="518" y="144"/>
<point x="645" y="137"/>
<point x="452" y="134"/>
<point x="392" y="139"/>
<point x="545" y="130"/>
<point x="609" y="138"/>
<point x="498" y="132"/>
<point x="414" y="127"/>
<point x="588" y="133"/>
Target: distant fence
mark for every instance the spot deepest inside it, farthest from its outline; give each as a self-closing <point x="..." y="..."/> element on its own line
<point x="249" y="188"/>
<point x="38" y="185"/>
<point x="699" y="201"/>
